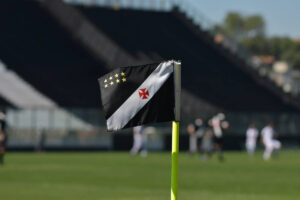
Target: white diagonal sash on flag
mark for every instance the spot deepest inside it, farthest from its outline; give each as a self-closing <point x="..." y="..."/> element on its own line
<point x="134" y="103"/>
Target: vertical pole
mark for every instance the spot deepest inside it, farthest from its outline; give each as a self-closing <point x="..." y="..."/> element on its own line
<point x="175" y="131"/>
<point x="175" y="151"/>
<point x="177" y="87"/>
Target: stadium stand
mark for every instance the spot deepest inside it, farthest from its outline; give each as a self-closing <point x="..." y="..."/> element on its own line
<point x="107" y="51"/>
<point x="210" y="71"/>
<point x="42" y="53"/>
<point x="19" y="93"/>
<point x="103" y="48"/>
<point x="52" y="57"/>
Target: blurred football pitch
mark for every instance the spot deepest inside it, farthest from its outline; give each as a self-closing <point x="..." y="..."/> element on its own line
<point x="118" y="176"/>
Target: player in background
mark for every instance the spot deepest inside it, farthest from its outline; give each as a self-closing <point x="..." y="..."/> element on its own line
<point x="207" y="146"/>
<point x="3" y="135"/>
<point x="267" y="138"/>
<point x="139" y="142"/>
<point x="2" y="138"/>
<point x="218" y="123"/>
<point x="40" y="139"/>
<point x="251" y="137"/>
<point x="195" y="131"/>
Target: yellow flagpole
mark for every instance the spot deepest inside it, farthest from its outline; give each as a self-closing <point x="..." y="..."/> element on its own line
<point x="175" y="132"/>
<point x="175" y="151"/>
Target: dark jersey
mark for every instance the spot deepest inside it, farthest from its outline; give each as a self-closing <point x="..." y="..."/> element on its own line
<point x="3" y="126"/>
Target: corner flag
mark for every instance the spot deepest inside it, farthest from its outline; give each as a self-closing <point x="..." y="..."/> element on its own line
<point x="138" y="95"/>
<point x="133" y="96"/>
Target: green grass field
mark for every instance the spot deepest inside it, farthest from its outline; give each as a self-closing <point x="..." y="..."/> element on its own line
<point x="118" y="176"/>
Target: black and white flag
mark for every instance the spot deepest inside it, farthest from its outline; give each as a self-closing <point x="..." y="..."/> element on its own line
<point x="137" y="95"/>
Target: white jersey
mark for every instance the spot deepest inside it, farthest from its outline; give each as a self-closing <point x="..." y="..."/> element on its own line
<point x="138" y="129"/>
<point x="251" y="135"/>
<point x="269" y="142"/>
<point x="2" y="116"/>
<point x="267" y="134"/>
<point x="216" y="124"/>
<point x="138" y="140"/>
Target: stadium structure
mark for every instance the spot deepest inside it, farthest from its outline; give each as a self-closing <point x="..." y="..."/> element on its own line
<point x="53" y="51"/>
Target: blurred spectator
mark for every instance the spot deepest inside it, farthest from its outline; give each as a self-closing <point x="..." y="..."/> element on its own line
<point x="139" y="142"/>
<point x="251" y="137"/>
<point x="267" y="138"/>
<point x="218" y="38"/>
<point x="267" y="60"/>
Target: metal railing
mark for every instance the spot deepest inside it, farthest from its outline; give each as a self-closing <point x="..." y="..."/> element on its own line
<point x="83" y="119"/>
<point x="85" y="128"/>
<point x="160" y="5"/>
